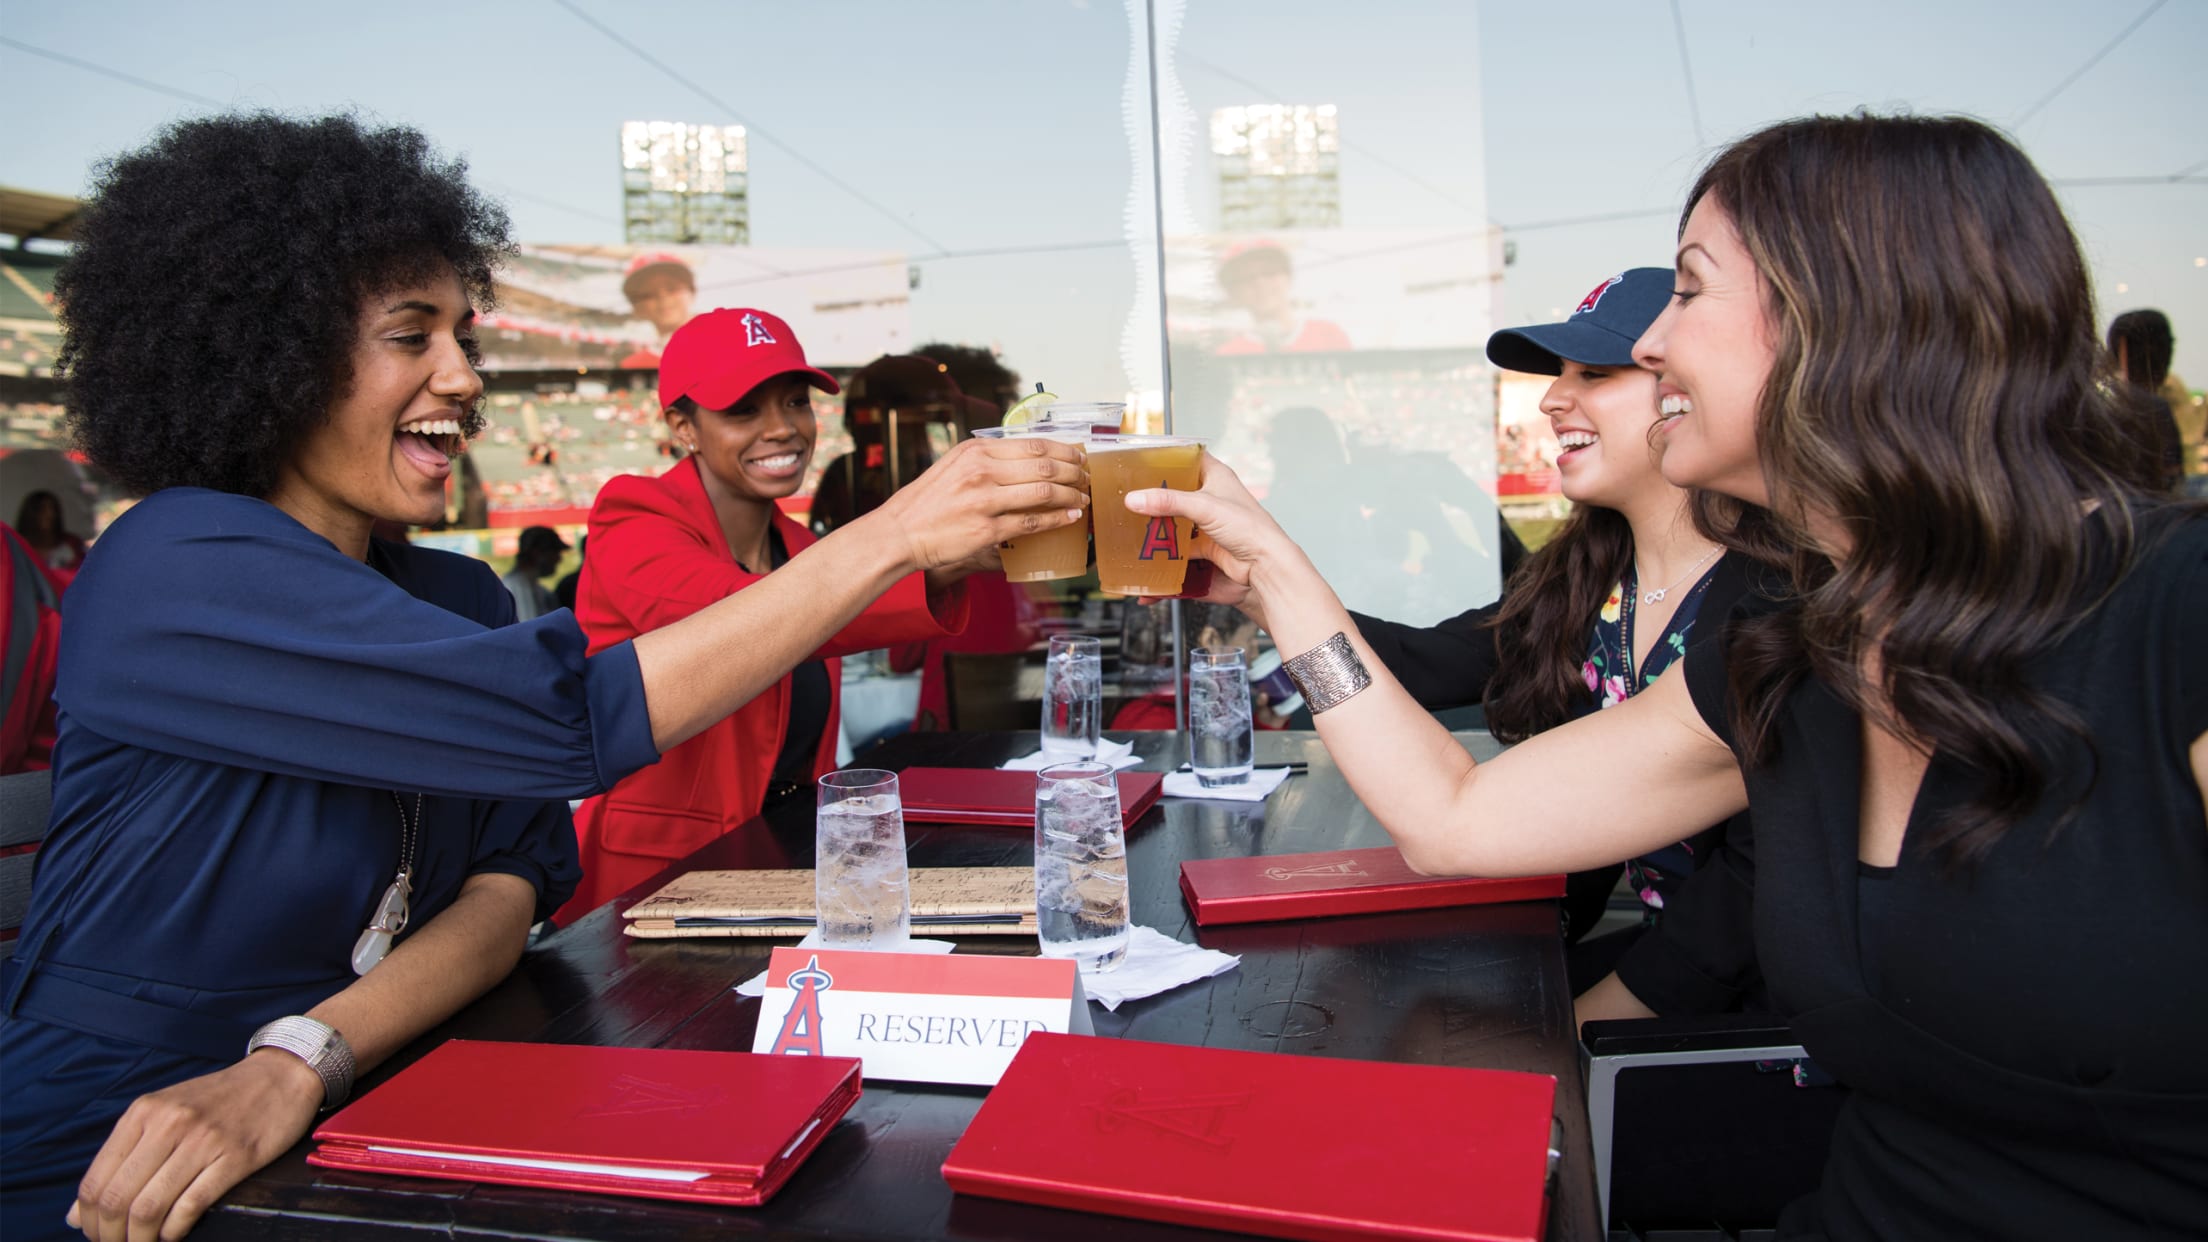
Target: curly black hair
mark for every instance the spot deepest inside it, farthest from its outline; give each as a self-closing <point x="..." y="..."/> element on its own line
<point x="211" y="304"/>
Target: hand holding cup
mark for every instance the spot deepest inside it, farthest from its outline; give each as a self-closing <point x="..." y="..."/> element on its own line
<point x="981" y="494"/>
<point x="1235" y="536"/>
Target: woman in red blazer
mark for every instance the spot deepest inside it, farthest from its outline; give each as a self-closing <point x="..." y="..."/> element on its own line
<point x="738" y="395"/>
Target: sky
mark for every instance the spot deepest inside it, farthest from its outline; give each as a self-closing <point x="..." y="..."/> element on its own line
<point x="956" y="126"/>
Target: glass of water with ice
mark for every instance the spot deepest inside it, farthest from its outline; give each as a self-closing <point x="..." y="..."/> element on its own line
<point x="1080" y="865"/>
<point x="1073" y="697"/>
<point x="860" y="886"/>
<point x="1220" y="742"/>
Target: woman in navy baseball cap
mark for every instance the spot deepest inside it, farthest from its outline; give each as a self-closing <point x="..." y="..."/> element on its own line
<point x="1602" y="610"/>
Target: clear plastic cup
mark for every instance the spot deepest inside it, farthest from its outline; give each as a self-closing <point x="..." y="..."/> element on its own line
<point x="1221" y="740"/>
<point x="1081" y="908"/>
<point x="861" y="887"/>
<point x="1062" y="552"/>
<point x="1101" y="417"/>
<point x="1073" y="697"/>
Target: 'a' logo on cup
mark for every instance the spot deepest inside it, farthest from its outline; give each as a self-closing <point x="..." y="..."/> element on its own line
<point x="1161" y="538"/>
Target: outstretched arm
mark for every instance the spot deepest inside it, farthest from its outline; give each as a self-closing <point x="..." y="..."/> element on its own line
<point x="260" y="614"/>
<point x="700" y="669"/>
<point x="1608" y="786"/>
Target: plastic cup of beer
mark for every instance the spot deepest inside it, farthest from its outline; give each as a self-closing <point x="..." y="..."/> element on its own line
<point x="1100" y="417"/>
<point x="1052" y="554"/>
<point x="1135" y="554"/>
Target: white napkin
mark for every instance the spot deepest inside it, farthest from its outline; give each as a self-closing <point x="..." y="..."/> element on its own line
<point x="1155" y="963"/>
<point x="1118" y="754"/>
<point x="1261" y="783"/>
<point x="757" y="984"/>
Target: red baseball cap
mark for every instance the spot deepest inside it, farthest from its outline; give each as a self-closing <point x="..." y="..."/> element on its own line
<point x="720" y="355"/>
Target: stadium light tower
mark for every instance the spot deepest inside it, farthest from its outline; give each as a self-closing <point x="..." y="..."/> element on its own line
<point x="1279" y="167"/>
<point x="684" y="184"/>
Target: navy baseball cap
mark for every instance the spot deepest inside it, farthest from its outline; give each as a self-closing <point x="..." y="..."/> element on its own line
<point x="1600" y="333"/>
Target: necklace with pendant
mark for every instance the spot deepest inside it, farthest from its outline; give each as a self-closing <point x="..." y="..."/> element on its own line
<point x="391" y="912"/>
<point x="1658" y="595"/>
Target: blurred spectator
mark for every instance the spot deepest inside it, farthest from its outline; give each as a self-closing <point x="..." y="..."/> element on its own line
<point x="981" y="376"/>
<point x="939" y="379"/>
<point x="30" y="630"/>
<point x="1260" y="278"/>
<point x="891" y="408"/>
<point x="563" y="591"/>
<point x="2140" y="343"/>
<point x="39" y="524"/>
<point x="661" y="290"/>
<point x="539" y="554"/>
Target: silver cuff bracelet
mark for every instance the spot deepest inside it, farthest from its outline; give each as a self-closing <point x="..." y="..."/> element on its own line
<point x="319" y="1045"/>
<point x="1328" y="674"/>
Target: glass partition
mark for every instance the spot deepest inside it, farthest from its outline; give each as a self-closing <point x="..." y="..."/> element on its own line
<point x="1331" y="280"/>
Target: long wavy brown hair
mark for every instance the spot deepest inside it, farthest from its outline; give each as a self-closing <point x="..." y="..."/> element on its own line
<point x="1541" y="629"/>
<point x="1933" y="392"/>
<point x="1550" y="605"/>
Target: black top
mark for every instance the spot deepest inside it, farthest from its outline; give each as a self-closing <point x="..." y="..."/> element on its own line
<point x="1700" y="957"/>
<point x="1448" y="664"/>
<point x="809" y="699"/>
<point x="2023" y="1039"/>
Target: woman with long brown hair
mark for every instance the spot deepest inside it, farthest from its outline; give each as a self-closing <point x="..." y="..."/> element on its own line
<point x="1975" y="741"/>
<point x="1606" y="606"/>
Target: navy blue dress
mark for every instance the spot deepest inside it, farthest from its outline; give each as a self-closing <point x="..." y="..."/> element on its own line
<point x="239" y="703"/>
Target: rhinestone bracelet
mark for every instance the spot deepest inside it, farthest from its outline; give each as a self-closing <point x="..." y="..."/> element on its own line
<point x="1328" y="674"/>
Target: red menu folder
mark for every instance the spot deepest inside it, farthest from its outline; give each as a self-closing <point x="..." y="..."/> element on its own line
<point x="1263" y="1142"/>
<point x="994" y="796"/>
<point x="716" y="1127"/>
<point x="1302" y="886"/>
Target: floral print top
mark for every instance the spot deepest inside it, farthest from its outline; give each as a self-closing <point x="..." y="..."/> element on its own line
<point x="1612" y="678"/>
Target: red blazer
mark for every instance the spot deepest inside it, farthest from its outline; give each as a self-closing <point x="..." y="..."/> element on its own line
<point x="656" y="554"/>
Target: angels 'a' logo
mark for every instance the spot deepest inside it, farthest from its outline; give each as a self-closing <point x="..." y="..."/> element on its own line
<point x="642" y="1097"/>
<point x="1197" y="1118"/>
<point x="1594" y="299"/>
<point x="755" y="330"/>
<point x="1161" y="538"/>
<point x="800" y="1033"/>
<point x="1352" y="867"/>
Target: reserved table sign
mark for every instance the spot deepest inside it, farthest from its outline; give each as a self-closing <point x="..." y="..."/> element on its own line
<point x="915" y="1017"/>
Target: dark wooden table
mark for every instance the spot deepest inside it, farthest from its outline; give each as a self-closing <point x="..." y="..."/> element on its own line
<point x="1475" y="986"/>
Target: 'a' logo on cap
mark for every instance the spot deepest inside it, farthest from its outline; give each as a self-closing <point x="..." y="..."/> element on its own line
<point x="1594" y="299"/>
<point x="755" y="331"/>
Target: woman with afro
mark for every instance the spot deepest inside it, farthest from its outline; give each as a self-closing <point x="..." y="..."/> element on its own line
<point x="310" y="787"/>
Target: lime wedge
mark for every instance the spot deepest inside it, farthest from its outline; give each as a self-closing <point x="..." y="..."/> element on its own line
<point x="1030" y="407"/>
